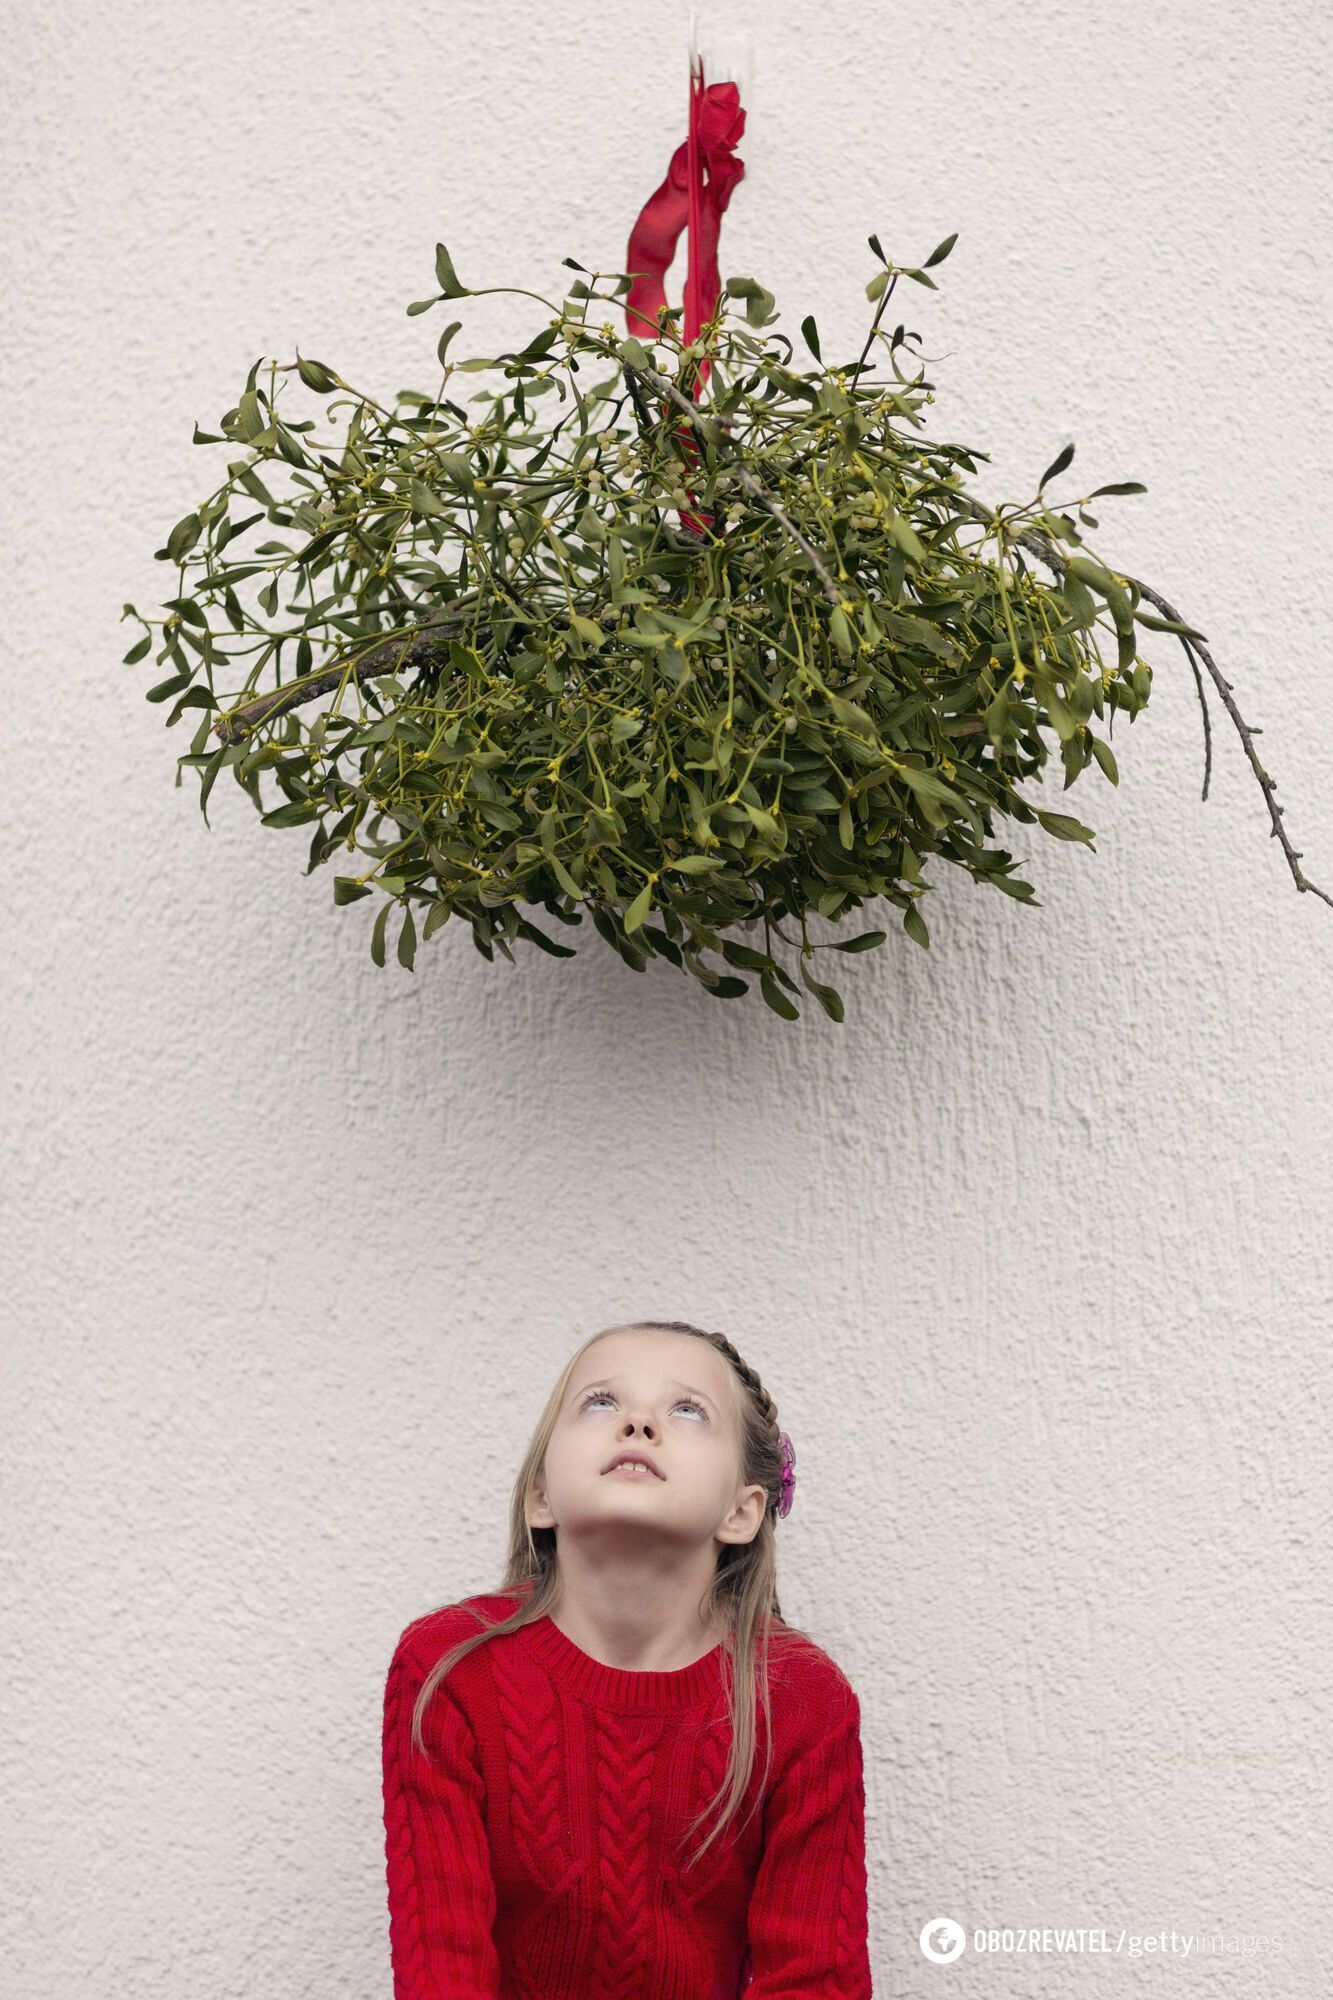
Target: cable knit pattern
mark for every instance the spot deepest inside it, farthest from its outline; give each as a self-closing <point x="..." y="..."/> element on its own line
<point x="532" y="1732"/>
<point x="708" y="1751"/>
<point x="624" y="1767"/>
<point x="542" y="1851"/>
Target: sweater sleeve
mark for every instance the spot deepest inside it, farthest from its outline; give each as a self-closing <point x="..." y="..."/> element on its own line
<point x="808" y="1908"/>
<point x="441" y="1890"/>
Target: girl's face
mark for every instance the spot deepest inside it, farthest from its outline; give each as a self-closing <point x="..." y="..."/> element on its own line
<point x="670" y="1399"/>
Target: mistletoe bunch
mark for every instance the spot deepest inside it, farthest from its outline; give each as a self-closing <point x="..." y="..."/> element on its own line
<point x="586" y="643"/>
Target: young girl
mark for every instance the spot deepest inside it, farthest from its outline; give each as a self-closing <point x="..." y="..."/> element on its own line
<point x="551" y="1749"/>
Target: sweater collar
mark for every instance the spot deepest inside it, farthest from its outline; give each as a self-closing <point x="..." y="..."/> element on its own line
<point x="621" y="1687"/>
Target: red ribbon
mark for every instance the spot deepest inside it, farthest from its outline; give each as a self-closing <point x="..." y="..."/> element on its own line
<point x="688" y="200"/>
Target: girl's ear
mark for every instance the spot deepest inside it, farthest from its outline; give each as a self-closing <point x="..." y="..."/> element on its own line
<point x="746" y="1517"/>
<point x="538" y="1509"/>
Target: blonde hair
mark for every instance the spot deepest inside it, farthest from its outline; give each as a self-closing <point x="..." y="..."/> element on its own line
<point x="741" y="1600"/>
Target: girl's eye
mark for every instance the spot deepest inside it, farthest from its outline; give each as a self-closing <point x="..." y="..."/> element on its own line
<point x="604" y="1396"/>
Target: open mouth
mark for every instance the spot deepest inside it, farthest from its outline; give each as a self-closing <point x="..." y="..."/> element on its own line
<point x="631" y="1470"/>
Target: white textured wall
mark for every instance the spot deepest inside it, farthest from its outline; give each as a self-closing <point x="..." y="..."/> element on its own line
<point x="1034" y="1250"/>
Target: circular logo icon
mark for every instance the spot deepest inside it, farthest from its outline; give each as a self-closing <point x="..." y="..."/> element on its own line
<point x="942" y="1940"/>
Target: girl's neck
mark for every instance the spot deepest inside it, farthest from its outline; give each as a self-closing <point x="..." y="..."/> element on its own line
<point x="632" y="1642"/>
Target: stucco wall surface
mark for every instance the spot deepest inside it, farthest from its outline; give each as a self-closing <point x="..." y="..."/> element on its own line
<point x="1033" y="1250"/>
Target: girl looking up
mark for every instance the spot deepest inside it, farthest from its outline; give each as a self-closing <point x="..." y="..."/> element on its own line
<point x="623" y="1775"/>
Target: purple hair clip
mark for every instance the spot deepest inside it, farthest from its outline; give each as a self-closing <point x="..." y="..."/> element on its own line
<point x="788" y="1474"/>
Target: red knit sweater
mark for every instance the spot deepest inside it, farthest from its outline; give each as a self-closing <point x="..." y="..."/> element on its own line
<point x="534" y="1856"/>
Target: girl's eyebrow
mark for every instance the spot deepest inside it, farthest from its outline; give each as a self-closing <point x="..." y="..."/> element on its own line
<point x="612" y="1381"/>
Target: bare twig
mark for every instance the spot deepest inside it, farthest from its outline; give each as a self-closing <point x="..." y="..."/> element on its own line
<point x="1040" y="545"/>
<point x="884" y="298"/>
<point x="388" y="657"/>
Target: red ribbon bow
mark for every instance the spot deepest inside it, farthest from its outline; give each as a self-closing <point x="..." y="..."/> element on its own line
<point x="687" y="200"/>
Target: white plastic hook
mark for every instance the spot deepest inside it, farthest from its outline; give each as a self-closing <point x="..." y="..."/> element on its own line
<point x="730" y="56"/>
